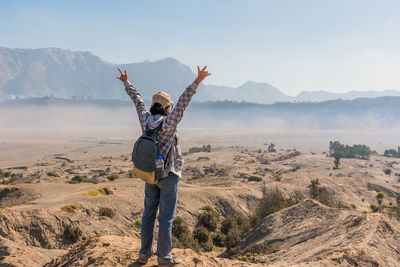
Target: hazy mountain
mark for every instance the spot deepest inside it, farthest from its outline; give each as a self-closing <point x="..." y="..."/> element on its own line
<point x="62" y="73"/>
<point x="318" y="96"/>
<point x="66" y="74"/>
<point x="249" y="91"/>
<point x="52" y="71"/>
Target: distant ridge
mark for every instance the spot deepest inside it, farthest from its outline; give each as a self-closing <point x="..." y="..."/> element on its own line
<point x="318" y="96"/>
<point x="27" y="73"/>
<point x="384" y="102"/>
<point x="371" y="113"/>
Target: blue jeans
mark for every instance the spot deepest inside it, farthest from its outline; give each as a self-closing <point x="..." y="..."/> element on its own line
<point x="164" y="194"/>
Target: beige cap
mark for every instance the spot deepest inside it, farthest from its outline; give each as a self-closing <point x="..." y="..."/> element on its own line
<point x="163" y="98"/>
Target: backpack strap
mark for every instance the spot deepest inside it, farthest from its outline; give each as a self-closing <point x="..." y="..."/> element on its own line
<point x="158" y="128"/>
<point x="167" y="158"/>
<point x="155" y="130"/>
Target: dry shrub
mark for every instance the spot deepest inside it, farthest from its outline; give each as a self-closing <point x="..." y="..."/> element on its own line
<point x="70" y="208"/>
<point x="73" y="234"/>
<point x="106" y="212"/>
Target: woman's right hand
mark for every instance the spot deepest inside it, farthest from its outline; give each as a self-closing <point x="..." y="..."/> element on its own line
<point x="123" y="77"/>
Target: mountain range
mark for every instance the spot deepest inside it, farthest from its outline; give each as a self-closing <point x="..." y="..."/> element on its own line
<point x="27" y="73"/>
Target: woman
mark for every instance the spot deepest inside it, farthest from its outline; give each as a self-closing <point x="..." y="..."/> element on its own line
<point x="163" y="194"/>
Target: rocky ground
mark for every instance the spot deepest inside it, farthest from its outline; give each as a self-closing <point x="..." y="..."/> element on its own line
<point x="86" y="193"/>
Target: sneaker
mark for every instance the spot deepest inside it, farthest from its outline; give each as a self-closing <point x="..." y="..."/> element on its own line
<point x="169" y="262"/>
<point x="143" y="259"/>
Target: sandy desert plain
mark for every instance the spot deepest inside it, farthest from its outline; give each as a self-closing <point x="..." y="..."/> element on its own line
<point x="46" y="220"/>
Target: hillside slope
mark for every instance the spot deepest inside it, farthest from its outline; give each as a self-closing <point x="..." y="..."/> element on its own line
<point x="313" y="233"/>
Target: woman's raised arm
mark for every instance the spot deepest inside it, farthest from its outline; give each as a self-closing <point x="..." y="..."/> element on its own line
<point x="172" y="120"/>
<point x="136" y="98"/>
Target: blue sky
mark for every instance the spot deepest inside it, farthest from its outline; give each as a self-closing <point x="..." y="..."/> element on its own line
<point x="295" y="45"/>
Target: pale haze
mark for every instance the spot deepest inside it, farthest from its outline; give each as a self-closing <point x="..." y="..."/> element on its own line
<point x="310" y="45"/>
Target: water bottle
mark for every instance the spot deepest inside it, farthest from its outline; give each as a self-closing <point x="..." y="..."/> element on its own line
<point x="159" y="167"/>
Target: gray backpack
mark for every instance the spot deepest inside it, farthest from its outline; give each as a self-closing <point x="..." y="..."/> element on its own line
<point x="145" y="156"/>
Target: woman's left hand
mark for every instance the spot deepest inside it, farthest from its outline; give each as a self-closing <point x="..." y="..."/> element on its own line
<point x="201" y="75"/>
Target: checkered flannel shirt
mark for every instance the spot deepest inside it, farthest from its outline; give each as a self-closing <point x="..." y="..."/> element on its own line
<point x="168" y="136"/>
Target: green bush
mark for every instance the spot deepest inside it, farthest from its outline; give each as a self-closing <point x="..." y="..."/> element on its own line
<point x="254" y="178"/>
<point x="272" y="202"/>
<point x="113" y="177"/>
<point x="209" y="219"/>
<point x="379" y="197"/>
<point x="395" y="211"/>
<point x="218" y="239"/>
<point x="105" y="191"/>
<point x="78" y="179"/>
<point x="200" y="149"/>
<point x="387" y="171"/>
<point x="346" y="151"/>
<point x="227" y="224"/>
<point x="221" y="172"/>
<point x="232" y="238"/>
<point x="263" y="160"/>
<point x="337" y="157"/>
<point x="131" y="174"/>
<point x="320" y="193"/>
<point x="203" y="237"/>
<point x="70" y="208"/>
<point x="10" y="189"/>
<point x="82" y="179"/>
<point x="182" y="237"/>
<point x="107" y="212"/>
<point x="12" y="177"/>
<point x="374" y="207"/>
<point x="138" y="224"/>
<point x="392" y="153"/>
<point x="248" y="223"/>
<point x="271" y="148"/>
<point x="54" y="174"/>
<point x="4" y="174"/>
<point x="73" y="234"/>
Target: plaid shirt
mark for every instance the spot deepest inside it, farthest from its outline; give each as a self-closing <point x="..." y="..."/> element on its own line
<point x="168" y="136"/>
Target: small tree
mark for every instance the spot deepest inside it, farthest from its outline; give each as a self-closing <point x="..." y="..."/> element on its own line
<point x="398" y="199"/>
<point x="271" y="148"/>
<point x="379" y="198"/>
<point x="337" y="157"/>
<point x="208" y="148"/>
